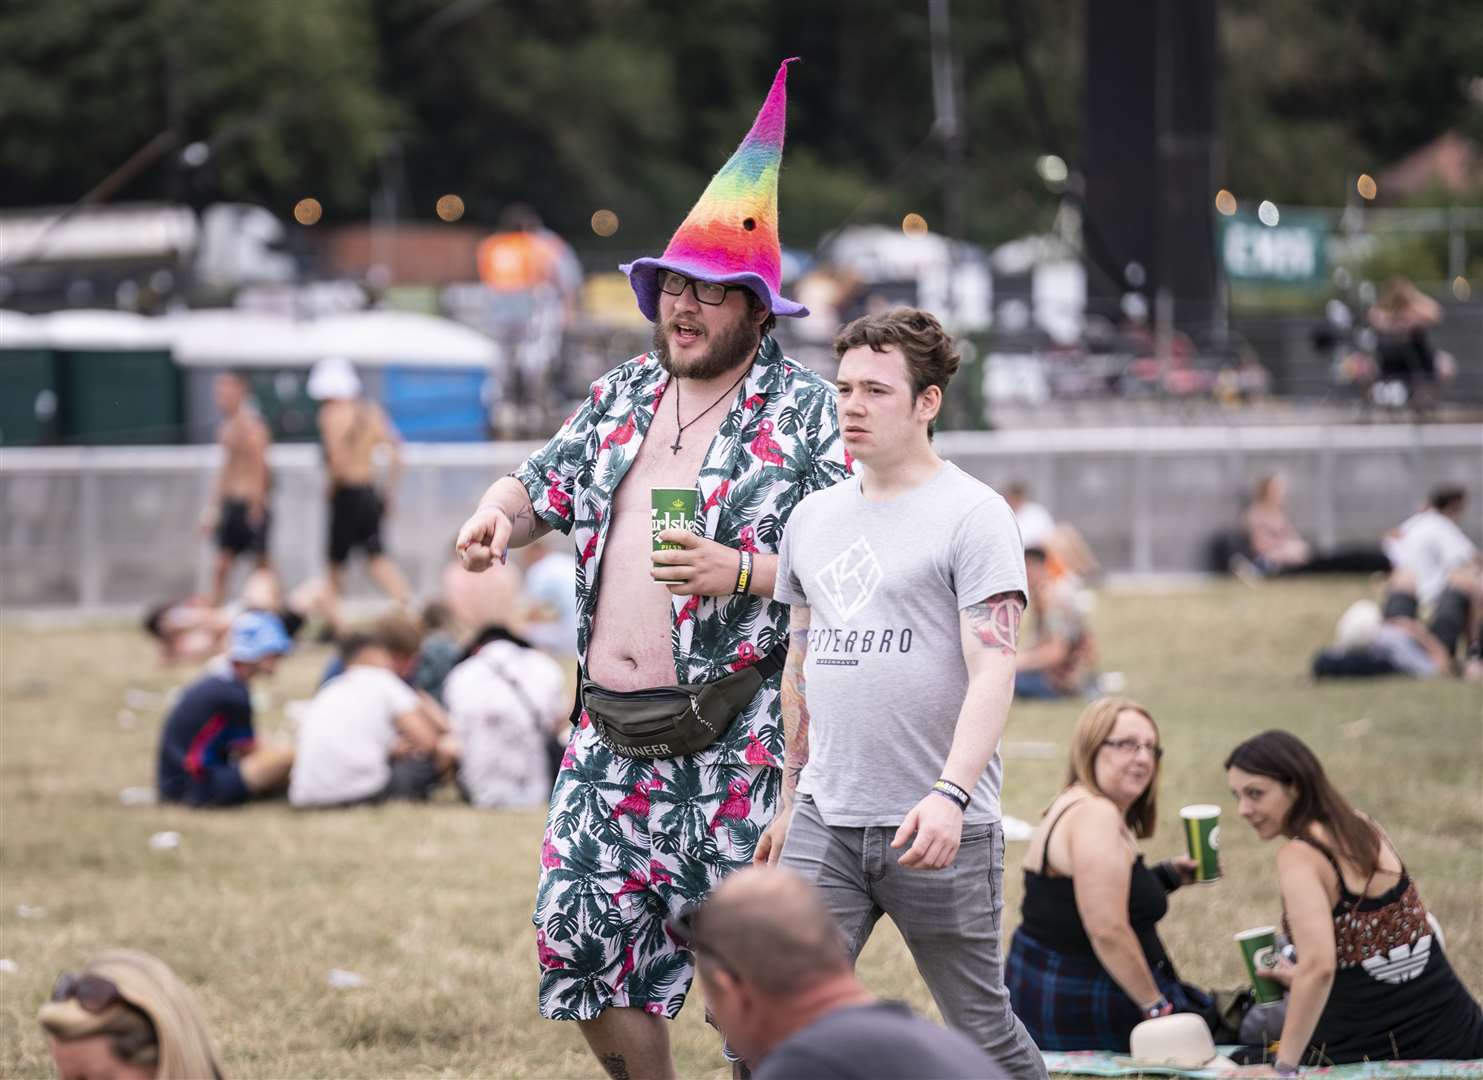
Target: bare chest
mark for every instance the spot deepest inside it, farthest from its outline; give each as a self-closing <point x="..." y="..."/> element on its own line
<point x="630" y="645"/>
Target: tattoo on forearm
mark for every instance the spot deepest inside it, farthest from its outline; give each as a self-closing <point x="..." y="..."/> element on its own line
<point x="615" y="1065"/>
<point x="996" y="621"/>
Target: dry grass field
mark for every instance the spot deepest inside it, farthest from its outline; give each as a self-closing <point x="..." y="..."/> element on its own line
<point x="431" y="904"/>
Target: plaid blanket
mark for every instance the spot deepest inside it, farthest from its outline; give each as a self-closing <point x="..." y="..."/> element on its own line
<point x="1069" y="1002"/>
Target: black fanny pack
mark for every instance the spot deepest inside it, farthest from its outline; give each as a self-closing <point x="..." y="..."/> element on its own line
<point x="668" y="721"/>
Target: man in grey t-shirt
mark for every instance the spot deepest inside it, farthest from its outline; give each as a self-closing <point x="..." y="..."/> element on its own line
<point x="906" y="585"/>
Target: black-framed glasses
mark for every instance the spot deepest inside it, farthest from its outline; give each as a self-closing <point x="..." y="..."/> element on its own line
<point x="1132" y="746"/>
<point x="93" y="992"/>
<point x="683" y="927"/>
<point x="707" y="292"/>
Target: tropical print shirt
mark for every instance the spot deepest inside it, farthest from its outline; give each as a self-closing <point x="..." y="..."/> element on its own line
<point x="779" y="442"/>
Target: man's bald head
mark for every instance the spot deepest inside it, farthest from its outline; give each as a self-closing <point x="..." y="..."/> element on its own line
<point x="771" y="928"/>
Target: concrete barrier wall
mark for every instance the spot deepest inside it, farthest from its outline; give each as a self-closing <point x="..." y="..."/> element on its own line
<point x="95" y="528"/>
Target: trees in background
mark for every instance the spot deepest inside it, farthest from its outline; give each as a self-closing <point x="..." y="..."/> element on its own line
<point x="629" y="105"/>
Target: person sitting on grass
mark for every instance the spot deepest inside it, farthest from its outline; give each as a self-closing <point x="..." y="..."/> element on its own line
<point x="208" y="752"/>
<point x="1086" y="964"/>
<point x="193" y="629"/>
<point x="782" y="986"/>
<point x="507" y="701"/>
<point x="1371" y="981"/>
<point x="367" y="736"/>
<point x="126" y="1016"/>
<point x="440" y="650"/>
<point x="1370" y="640"/>
<point x="1277" y="548"/>
<point x="1059" y="662"/>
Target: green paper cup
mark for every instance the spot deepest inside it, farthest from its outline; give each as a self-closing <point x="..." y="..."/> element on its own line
<point x="1259" y="952"/>
<point x="1202" y="832"/>
<point x="670" y="508"/>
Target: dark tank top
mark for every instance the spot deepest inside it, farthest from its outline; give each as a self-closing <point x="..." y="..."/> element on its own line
<point x="1048" y="911"/>
<point x="1394" y="993"/>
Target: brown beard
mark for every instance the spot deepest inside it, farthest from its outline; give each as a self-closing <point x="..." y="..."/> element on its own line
<point x="728" y="350"/>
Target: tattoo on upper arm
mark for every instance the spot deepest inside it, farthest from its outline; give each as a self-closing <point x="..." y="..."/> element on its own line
<point x="996" y="621"/>
<point x="615" y="1065"/>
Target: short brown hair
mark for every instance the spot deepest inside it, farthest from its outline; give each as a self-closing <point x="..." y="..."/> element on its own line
<point x="398" y="633"/>
<point x="1093" y="727"/>
<point x="931" y="357"/>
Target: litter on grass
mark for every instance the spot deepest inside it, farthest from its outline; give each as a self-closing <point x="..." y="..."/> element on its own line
<point x="340" y="979"/>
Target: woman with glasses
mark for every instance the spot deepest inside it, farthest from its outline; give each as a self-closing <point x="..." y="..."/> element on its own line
<point x="1371" y="980"/>
<point x="127" y="1016"/>
<point x="1086" y="964"/>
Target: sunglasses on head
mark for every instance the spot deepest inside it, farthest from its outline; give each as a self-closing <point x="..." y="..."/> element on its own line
<point x="93" y="992"/>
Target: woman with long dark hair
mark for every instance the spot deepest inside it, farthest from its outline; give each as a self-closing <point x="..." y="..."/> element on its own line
<point x="1371" y="981"/>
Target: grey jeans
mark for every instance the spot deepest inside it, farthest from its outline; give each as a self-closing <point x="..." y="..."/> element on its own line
<point x="949" y="919"/>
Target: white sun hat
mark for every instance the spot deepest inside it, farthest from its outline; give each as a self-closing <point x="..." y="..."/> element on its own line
<point x="333" y="378"/>
<point x="1180" y="1040"/>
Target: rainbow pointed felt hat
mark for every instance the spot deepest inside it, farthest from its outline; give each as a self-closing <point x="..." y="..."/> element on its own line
<point x="731" y="235"/>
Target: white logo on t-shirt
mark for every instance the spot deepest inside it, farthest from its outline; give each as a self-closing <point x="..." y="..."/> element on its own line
<point x="1402" y="963"/>
<point x="850" y="578"/>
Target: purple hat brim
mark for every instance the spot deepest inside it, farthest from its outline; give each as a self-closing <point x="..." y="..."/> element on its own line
<point x="643" y="275"/>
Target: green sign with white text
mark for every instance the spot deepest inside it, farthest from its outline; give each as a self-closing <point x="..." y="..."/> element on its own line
<point x="1290" y="252"/>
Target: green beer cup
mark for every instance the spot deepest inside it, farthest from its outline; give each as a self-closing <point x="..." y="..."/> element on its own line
<point x="670" y="508"/>
<point x="1202" y="831"/>
<point x="1259" y="952"/>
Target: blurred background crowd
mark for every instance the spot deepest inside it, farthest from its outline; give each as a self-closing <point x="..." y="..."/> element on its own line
<point x="1290" y="216"/>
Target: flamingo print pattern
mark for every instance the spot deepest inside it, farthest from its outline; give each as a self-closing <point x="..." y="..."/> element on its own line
<point x="632" y="844"/>
<point x="778" y="443"/>
<point x="737" y="807"/>
<point x="690" y="820"/>
<point x="765" y="446"/>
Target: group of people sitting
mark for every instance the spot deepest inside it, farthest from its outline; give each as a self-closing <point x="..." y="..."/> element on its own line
<point x="1367" y="977"/>
<point x="1370" y="979"/>
<point x="405" y="705"/>
<point x="1429" y="621"/>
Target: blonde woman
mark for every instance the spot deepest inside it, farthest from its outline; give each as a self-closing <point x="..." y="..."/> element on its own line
<point x="1086" y="964"/>
<point x="127" y="1016"/>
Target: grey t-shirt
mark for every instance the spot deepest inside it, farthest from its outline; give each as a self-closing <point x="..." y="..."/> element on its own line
<point x="868" y="1042"/>
<point x="885" y="677"/>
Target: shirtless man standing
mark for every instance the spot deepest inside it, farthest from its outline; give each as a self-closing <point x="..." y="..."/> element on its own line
<point x="238" y="516"/>
<point x="636" y="833"/>
<point x="351" y="430"/>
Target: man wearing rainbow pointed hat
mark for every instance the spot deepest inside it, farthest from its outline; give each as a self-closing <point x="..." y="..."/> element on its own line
<point x="673" y="769"/>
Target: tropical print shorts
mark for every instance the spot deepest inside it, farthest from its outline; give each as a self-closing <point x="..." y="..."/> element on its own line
<point x="628" y="844"/>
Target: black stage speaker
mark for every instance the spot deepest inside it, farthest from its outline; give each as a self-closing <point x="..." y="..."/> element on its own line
<point x="1150" y="155"/>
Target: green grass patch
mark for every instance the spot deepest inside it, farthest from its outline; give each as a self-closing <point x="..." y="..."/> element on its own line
<point x="432" y="904"/>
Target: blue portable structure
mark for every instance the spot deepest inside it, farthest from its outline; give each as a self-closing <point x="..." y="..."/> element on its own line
<point x="428" y="373"/>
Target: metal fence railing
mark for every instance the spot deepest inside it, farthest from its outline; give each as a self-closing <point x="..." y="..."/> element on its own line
<point x="114" y="527"/>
